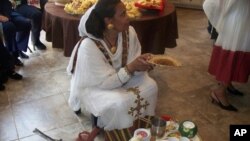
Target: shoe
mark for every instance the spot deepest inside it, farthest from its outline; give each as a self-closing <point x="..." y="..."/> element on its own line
<point x="78" y="112"/>
<point x="39" y="45"/>
<point x="23" y="55"/>
<point x="2" y="87"/>
<point x="215" y="100"/>
<point x="3" y="78"/>
<point x="234" y="91"/>
<point x="15" y="76"/>
<point x="18" y="62"/>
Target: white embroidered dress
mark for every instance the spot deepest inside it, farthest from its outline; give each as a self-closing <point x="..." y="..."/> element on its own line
<point x="230" y="60"/>
<point x="101" y="89"/>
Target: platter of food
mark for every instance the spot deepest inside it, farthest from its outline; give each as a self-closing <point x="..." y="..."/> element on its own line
<point x="172" y="133"/>
<point x="78" y="7"/>
<point x="151" y="4"/>
<point x="164" y="61"/>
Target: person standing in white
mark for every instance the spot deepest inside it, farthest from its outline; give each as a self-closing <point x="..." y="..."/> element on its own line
<point x="230" y="59"/>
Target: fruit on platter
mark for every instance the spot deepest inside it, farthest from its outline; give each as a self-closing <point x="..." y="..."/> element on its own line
<point x="151" y="4"/>
<point x="132" y="10"/>
<point x="78" y="6"/>
<point x="154" y="3"/>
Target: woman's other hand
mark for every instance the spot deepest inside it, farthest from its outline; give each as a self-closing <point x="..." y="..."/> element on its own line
<point x="141" y="63"/>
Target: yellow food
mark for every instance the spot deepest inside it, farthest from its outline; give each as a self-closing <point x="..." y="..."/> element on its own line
<point x="163" y="60"/>
<point x="132" y="10"/>
<point x="175" y="134"/>
<point x="171" y="125"/>
<point x="148" y="3"/>
<point x="81" y="6"/>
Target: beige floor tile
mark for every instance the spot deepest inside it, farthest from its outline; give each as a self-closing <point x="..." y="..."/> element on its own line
<point x="62" y="79"/>
<point x="66" y="133"/>
<point x="4" y="100"/>
<point x="7" y="125"/>
<point x="32" y="88"/>
<point x="45" y="114"/>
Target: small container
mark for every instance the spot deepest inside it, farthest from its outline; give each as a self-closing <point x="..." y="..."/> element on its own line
<point x="188" y="129"/>
<point x="158" y="127"/>
<point x="144" y="133"/>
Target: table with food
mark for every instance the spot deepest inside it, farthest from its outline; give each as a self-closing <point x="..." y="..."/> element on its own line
<point x="155" y="22"/>
<point x="81" y="6"/>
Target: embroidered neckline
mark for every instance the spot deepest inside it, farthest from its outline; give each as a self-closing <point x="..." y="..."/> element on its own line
<point x="111" y="47"/>
<point x="125" y="43"/>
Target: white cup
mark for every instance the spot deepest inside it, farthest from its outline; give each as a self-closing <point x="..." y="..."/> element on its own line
<point x="144" y="133"/>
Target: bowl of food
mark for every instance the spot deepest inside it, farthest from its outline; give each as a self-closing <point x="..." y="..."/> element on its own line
<point x="172" y="126"/>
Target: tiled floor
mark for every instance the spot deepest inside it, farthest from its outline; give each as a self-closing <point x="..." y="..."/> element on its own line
<point x="40" y="99"/>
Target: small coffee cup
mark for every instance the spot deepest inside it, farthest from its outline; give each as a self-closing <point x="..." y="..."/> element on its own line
<point x="144" y="133"/>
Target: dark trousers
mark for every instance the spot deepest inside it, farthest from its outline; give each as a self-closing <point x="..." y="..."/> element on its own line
<point x="6" y="63"/>
<point x="213" y="32"/>
<point x="42" y="4"/>
<point x="16" y="32"/>
<point x="35" y="15"/>
<point x="6" y="60"/>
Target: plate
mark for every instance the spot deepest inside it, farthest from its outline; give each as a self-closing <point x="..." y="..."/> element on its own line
<point x="164" y="61"/>
<point x="176" y="134"/>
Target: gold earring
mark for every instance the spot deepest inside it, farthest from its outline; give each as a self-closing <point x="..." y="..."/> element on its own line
<point x="110" y="26"/>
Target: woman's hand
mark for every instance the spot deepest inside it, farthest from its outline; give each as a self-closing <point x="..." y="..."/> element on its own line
<point x="141" y="63"/>
<point x="3" y="18"/>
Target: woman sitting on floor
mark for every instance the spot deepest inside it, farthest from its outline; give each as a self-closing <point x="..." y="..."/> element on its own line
<point x="108" y="70"/>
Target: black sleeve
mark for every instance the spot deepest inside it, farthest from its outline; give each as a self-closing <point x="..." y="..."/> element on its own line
<point x="24" y="2"/>
<point x="5" y="8"/>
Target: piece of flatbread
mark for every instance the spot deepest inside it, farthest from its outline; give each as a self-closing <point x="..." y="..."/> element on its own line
<point x="164" y="61"/>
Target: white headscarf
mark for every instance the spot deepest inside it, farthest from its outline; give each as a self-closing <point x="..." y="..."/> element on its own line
<point x="82" y="32"/>
<point x="82" y="28"/>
